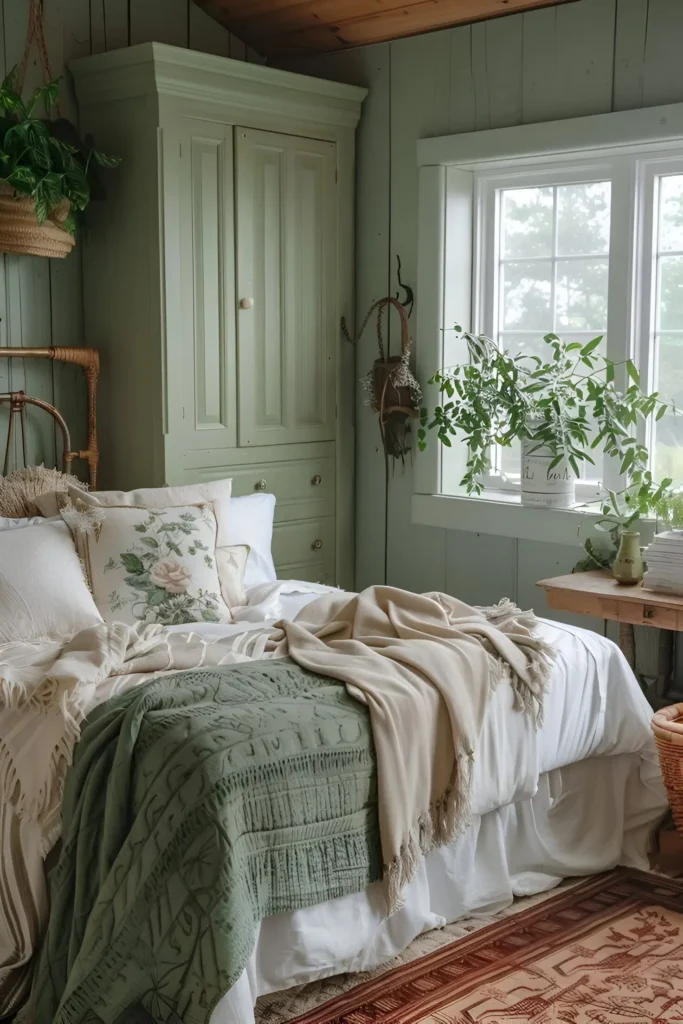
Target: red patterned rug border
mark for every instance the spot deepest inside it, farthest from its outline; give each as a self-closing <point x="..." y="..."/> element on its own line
<point x="623" y="887"/>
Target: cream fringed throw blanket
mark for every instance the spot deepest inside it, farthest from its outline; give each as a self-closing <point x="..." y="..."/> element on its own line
<point x="425" y="666"/>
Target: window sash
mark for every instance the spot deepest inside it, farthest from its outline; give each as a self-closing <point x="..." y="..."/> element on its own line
<point x="632" y="268"/>
<point x="647" y="332"/>
<point x="486" y="315"/>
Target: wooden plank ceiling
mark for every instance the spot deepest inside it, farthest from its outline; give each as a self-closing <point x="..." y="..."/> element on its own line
<point x="289" y="28"/>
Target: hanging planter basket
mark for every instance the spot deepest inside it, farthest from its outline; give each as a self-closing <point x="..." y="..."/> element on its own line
<point x="20" y="231"/>
<point x="390" y="387"/>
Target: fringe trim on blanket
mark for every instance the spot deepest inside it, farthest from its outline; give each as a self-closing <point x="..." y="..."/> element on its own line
<point x="44" y="804"/>
<point x="451" y="815"/>
<point x="529" y="696"/>
<point x="445" y="821"/>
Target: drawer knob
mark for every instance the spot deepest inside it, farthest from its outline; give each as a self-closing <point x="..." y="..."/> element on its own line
<point x="246" y="303"/>
<point x="648" y="612"/>
<point x="316" y="545"/>
<point x="317" y="480"/>
<point x="262" y="485"/>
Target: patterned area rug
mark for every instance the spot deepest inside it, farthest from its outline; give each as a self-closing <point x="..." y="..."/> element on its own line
<point x="608" y="951"/>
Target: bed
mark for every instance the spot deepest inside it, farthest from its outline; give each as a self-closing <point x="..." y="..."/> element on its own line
<point x="576" y="797"/>
<point x="578" y="794"/>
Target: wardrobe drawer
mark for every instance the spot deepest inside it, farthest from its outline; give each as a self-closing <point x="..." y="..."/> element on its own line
<point x="315" y="572"/>
<point x="307" y="542"/>
<point x="304" y="488"/>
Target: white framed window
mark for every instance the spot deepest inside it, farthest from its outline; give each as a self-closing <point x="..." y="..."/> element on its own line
<point x="544" y="265"/>
<point x="574" y="228"/>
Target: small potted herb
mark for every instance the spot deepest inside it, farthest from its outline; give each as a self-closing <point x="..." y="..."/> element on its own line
<point x="47" y="175"/>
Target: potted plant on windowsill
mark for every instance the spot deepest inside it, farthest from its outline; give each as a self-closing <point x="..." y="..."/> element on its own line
<point x="47" y="175"/>
<point x="561" y="409"/>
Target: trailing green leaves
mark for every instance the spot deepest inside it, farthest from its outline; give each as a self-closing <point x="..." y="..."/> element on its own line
<point x="45" y="159"/>
<point x="568" y="405"/>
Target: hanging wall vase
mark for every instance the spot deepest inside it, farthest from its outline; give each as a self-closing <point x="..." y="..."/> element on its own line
<point x="390" y="387"/>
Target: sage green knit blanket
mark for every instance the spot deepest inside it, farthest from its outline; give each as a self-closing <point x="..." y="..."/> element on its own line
<point x="197" y="805"/>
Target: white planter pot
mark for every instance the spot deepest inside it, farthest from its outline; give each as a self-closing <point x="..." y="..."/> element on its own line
<point x="541" y="485"/>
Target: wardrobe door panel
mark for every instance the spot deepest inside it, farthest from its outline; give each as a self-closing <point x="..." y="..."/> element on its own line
<point x="286" y="273"/>
<point x="203" y="356"/>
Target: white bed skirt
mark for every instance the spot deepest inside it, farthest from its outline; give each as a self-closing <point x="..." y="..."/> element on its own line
<point x="585" y="818"/>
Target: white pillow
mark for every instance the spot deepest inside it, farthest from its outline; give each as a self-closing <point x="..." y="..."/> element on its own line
<point x="43" y="593"/>
<point x="250" y="521"/>
<point x="154" y="565"/>
<point x="217" y="491"/>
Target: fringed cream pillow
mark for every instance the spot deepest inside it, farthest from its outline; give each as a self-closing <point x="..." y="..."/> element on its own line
<point x="32" y="491"/>
<point x="154" y="564"/>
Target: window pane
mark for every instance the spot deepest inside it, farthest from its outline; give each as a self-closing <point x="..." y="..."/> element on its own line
<point x="671" y="213"/>
<point x="525" y="296"/>
<point x="527" y="222"/>
<point x="525" y="344"/>
<point x="669" y="430"/>
<point x="670" y="316"/>
<point x="583" y="218"/>
<point x="581" y="295"/>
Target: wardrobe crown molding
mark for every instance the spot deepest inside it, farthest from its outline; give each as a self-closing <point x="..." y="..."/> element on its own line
<point x="157" y="69"/>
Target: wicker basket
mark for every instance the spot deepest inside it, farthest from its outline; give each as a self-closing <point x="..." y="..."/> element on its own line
<point x="20" y="232"/>
<point x="667" y="725"/>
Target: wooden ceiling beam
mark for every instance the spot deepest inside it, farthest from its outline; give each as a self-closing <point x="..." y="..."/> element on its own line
<point x="288" y="28"/>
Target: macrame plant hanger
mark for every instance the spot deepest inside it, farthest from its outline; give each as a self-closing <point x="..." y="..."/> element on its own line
<point x="35" y="30"/>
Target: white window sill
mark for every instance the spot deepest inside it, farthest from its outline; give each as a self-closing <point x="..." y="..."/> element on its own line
<point x="502" y="514"/>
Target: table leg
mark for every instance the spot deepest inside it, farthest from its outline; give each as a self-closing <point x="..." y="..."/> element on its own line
<point x="627" y="643"/>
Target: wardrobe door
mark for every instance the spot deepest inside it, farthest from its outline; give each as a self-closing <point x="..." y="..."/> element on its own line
<point x="287" y="326"/>
<point x="200" y="296"/>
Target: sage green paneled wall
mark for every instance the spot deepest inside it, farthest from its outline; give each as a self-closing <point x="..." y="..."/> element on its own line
<point x="588" y="57"/>
<point x="41" y="301"/>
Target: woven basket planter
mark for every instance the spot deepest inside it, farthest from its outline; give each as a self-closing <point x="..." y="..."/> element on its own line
<point x="20" y="231"/>
<point x="667" y="725"/>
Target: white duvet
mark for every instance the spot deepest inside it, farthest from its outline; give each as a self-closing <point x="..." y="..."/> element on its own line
<point x="579" y="795"/>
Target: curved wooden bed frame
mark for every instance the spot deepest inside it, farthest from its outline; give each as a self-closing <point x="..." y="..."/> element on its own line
<point x="89" y="360"/>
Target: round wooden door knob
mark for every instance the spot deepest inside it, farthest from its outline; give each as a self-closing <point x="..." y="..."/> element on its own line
<point x="246" y="303"/>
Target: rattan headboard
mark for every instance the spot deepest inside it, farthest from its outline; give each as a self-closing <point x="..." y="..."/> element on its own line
<point x="89" y="360"/>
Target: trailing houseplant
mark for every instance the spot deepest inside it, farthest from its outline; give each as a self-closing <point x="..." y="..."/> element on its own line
<point x="47" y="174"/>
<point x="568" y="406"/>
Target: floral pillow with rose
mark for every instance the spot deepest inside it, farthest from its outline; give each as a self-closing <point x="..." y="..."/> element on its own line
<point x="154" y="565"/>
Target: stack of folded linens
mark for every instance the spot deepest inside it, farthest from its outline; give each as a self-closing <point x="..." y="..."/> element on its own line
<point x="664" y="559"/>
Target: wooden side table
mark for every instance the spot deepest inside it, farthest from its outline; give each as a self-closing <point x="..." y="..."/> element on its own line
<point x="598" y="593"/>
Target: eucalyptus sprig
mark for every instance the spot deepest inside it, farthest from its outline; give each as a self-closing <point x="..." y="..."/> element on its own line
<point x="568" y="405"/>
<point x="42" y="157"/>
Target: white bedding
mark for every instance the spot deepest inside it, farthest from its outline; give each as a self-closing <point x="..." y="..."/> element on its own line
<point x="578" y="796"/>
